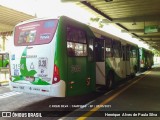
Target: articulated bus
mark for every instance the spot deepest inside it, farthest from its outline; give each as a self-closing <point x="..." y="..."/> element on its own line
<point x="63" y="57"/>
<point x="146" y="59"/>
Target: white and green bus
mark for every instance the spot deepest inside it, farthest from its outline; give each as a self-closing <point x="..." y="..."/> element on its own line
<point x="62" y="57"/>
<point x="146" y="59"/>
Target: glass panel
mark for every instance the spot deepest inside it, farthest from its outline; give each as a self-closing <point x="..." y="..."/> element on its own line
<point x="134" y="52"/>
<point x="82" y="37"/>
<point x="76" y="35"/>
<point x="123" y="53"/>
<point x="6" y="56"/>
<point x="108" y="43"/>
<point x="76" y="39"/>
<point x="76" y="49"/>
<point x="99" y="50"/>
<point x="116" y="49"/>
<point x="127" y="52"/>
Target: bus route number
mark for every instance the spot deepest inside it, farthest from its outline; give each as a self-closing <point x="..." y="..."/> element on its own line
<point x="18" y="66"/>
<point x="42" y="63"/>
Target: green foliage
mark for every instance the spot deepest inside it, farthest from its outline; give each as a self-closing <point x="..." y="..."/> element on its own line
<point x="94" y="19"/>
<point x="156" y="53"/>
<point x="98" y="21"/>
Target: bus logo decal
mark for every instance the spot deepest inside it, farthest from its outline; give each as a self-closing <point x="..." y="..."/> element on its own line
<point x="45" y="36"/>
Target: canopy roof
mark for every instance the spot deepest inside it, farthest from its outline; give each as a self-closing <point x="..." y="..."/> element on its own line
<point x="9" y="18"/>
<point x="141" y="18"/>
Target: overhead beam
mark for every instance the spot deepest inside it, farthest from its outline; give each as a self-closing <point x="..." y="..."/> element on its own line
<point x="105" y="16"/>
<point x="72" y="0"/>
<point x="147" y="36"/>
<point x="152" y="40"/>
<point x="133" y="31"/>
<point x="96" y="10"/>
<point x="151" y="18"/>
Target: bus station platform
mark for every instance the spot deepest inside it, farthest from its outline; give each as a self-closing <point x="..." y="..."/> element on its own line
<point x="137" y="99"/>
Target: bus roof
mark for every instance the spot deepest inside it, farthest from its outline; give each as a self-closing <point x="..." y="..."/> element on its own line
<point x="93" y="29"/>
<point x="35" y="19"/>
<point x="105" y="34"/>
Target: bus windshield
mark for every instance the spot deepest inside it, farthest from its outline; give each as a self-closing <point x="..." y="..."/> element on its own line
<point x="35" y="33"/>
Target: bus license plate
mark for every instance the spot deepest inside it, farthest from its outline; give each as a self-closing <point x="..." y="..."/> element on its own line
<point x="42" y="62"/>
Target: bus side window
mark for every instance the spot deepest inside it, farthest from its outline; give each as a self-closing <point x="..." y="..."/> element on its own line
<point x="76" y="42"/>
<point x="134" y="52"/>
<point x="71" y="52"/>
<point x="108" y="45"/>
<point x="124" y="53"/>
<point x="131" y="52"/>
<point x="127" y="52"/>
<point x="116" y="49"/>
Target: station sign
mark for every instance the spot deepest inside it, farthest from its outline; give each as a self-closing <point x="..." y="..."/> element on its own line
<point x="151" y="29"/>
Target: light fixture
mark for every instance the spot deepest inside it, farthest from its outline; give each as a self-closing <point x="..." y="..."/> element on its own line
<point x="108" y="0"/>
<point x="134" y="23"/>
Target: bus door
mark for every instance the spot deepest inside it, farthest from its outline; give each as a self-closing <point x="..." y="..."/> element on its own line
<point x="76" y="61"/>
<point x="128" y="70"/>
<point x="138" y="59"/>
<point x="100" y="62"/>
<point x="124" y="67"/>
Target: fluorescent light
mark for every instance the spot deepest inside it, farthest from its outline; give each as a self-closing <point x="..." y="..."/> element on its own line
<point x="108" y="0"/>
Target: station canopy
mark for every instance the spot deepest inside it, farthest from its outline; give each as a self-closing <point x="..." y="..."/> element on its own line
<point x="140" y="18"/>
<point x="9" y="18"/>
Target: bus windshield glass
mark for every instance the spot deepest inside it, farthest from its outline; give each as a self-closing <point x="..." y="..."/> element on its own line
<point x="35" y="33"/>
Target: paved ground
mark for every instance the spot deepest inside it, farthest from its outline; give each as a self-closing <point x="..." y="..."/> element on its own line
<point x="140" y="96"/>
<point x="24" y="102"/>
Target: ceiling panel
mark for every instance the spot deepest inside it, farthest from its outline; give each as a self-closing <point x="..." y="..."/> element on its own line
<point x="9" y="18"/>
<point x="131" y="15"/>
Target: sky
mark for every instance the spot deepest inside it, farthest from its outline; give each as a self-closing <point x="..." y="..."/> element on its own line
<point x="47" y="8"/>
<point x="55" y="8"/>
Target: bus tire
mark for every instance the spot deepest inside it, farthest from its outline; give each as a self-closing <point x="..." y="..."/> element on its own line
<point x="110" y="80"/>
